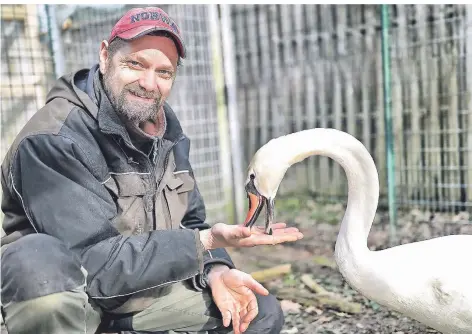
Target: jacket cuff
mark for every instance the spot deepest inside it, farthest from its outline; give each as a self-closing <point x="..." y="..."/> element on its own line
<point x="211" y="258"/>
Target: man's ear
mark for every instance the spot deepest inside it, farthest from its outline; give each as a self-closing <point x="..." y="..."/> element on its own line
<point x="103" y="56"/>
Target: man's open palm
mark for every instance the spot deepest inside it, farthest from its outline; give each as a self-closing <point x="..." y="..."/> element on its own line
<point x="223" y="235"/>
<point x="233" y="293"/>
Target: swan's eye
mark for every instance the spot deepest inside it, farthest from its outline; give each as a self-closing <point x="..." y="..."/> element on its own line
<point x="252" y="176"/>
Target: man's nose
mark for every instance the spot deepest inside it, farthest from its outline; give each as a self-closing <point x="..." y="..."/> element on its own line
<point x="148" y="81"/>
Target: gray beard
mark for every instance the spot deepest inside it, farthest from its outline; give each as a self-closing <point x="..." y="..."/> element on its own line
<point x="133" y="112"/>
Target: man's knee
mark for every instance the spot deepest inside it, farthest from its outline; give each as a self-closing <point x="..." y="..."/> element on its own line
<point x="38" y="265"/>
<point x="270" y="318"/>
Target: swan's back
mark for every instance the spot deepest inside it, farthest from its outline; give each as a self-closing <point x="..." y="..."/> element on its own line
<point x="431" y="281"/>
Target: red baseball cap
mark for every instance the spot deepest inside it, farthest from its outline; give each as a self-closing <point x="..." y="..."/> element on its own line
<point x="138" y="22"/>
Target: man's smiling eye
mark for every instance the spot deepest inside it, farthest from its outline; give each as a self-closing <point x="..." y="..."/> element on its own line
<point x="166" y="74"/>
<point x="134" y="63"/>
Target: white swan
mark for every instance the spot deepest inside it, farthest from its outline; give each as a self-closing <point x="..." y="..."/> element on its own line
<point x="430" y="281"/>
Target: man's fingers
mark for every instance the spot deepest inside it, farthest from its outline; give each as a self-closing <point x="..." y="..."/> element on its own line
<point x="280" y="238"/>
<point x="226" y="318"/>
<point x="288" y="230"/>
<point x="255" y="286"/>
<point x="236" y="322"/>
<point x="239" y="232"/>
<point x="251" y="314"/>
<point x="265" y="239"/>
<point x="275" y="226"/>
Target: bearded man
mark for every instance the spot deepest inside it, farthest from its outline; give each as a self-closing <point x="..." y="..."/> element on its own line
<point x="105" y="225"/>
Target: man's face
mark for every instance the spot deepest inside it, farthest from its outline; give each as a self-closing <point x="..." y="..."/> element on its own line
<point x="139" y="77"/>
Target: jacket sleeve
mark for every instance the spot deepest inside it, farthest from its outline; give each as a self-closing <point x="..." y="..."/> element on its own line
<point x="54" y="180"/>
<point x="194" y="218"/>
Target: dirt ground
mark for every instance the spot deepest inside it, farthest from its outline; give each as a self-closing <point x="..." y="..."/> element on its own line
<point x="313" y="255"/>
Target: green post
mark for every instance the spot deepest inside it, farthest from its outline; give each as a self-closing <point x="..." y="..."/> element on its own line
<point x="389" y="149"/>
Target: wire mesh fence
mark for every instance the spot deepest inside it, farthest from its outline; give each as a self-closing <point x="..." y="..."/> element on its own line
<point x="296" y="67"/>
<point x="27" y="68"/>
<point x="304" y="66"/>
<point x="431" y="107"/>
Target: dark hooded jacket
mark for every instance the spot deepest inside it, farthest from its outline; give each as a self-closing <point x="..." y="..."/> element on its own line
<point x="131" y="216"/>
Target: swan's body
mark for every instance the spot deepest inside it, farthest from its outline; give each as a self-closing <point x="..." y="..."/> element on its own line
<point x="430" y="281"/>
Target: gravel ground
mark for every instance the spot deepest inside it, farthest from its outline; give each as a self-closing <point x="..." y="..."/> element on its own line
<point x="320" y="224"/>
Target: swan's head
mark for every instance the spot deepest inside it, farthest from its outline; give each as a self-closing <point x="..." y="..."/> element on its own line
<point x="265" y="173"/>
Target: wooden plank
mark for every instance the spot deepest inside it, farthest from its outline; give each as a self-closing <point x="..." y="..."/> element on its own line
<point x="468" y="158"/>
<point x="369" y="44"/>
<point x="297" y="74"/>
<point x="310" y="93"/>
<point x="379" y="124"/>
<point x="322" y="73"/>
<point x="323" y="171"/>
<point x="338" y="174"/>
<point x="244" y="87"/>
<point x="399" y="70"/>
<point x="264" y="96"/>
<point x="451" y="86"/>
<point x="397" y="126"/>
<point x="414" y="139"/>
<point x="276" y="72"/>
<point x="247" y="20"/>
<point x="284" y="125"/>
<point x="434" y="147"/>
<point x="423" y="175"/>
<point x="14" y="12"/>
<point x="444" y="188"/>
<point x="453" y="177"/>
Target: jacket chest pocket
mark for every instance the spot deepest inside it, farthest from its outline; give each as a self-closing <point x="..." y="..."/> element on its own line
<point x="176" y="196"/>
<point x="133" y="203"/>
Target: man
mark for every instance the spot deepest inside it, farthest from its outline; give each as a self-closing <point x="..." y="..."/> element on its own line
<point x="105" y="223"/>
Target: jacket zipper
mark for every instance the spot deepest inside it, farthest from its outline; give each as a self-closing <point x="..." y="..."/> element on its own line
<point x="156" y="150"/>
<point x="166" y="159"/>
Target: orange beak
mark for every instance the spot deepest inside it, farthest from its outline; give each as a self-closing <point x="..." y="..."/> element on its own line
<point x="255" y="206"/>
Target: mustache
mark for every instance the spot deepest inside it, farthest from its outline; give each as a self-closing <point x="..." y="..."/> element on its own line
<point x="144" y="93"/>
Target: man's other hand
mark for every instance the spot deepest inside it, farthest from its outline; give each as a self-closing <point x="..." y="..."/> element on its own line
<point x="223" y="235"/>
<point x="233" y="293"/>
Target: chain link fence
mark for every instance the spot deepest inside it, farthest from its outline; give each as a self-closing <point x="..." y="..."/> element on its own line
<point x="27" y="68"/>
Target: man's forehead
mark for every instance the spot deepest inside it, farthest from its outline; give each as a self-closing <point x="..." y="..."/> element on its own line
<point x="151" y="49"/>
<point x="150" y="42"/>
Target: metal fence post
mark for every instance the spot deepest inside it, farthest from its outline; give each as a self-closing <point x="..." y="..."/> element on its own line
<point x="223" y="129"/>
<point x="468" y="99"/>
<point x="389" y="147"/>
<point x="55" y="42"/>
<point x="230" y="78"/>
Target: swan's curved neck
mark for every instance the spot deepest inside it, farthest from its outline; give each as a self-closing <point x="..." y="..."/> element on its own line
<point x="352" y="252"/>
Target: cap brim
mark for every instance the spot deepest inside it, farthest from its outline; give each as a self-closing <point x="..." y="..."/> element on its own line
<point x="144" y="30"/>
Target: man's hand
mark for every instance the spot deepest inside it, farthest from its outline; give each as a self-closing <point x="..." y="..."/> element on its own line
<point x="233" y="293"/>
<point x="222" y="236"/>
